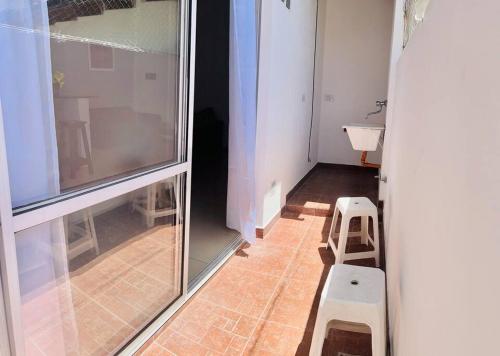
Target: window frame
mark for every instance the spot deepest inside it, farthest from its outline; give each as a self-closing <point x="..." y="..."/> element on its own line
<point x="15" y="220"/>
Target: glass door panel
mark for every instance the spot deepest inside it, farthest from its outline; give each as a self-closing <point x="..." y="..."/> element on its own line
<point x="90" y="92"/>
<point x="93" y="106"/>
<point x="91" y="280"/>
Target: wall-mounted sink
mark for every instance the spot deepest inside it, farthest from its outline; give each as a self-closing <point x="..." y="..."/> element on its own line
<point x="364" y="137"/>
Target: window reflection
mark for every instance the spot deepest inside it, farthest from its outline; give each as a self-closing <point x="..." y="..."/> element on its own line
<point x="89" y="90"/>
<point x="90" y="281"/>
<point x="115" y="72"/>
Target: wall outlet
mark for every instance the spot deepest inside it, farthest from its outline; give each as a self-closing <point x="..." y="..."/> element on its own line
<point x="150" y="76"/>
<point x="329" y="98"/>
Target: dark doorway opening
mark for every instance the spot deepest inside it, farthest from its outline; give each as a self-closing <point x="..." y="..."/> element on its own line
<point x="210" y="239"/>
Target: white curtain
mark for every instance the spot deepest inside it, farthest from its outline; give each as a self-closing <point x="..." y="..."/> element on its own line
<point x="242" y="118"/>
<point x="26" y="92"/>
<point x="30" y="135"/>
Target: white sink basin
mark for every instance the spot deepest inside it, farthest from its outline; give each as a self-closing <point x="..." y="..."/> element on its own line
<point x="364" y="137"/>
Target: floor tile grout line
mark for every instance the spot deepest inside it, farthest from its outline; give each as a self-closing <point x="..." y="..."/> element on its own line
<point x="161" y="347"/>
<point x="228" y="331"/>
<point x="285" y="274"/>
<point x="281" y="279"/>
<point x="92" y="299"/>
<point x="267" y="274"/>
<point x="106" y="309"/>
<point x="107" y="256"/>
<point x="35" y="344"/>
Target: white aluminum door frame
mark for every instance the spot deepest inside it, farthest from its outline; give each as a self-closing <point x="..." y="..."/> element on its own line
<point x="14" y="221"/>
<point x="8" y="257"/>
<point x="4" y="335"/>
<point x="162" y="319"/>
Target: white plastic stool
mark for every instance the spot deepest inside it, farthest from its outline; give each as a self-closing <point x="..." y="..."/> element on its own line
<point x="351" y="208"/>
<point x="353" y="299"/>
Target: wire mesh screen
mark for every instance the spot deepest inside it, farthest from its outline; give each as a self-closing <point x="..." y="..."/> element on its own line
<point x="68" y="10"/>
<point x="149" y="25"/>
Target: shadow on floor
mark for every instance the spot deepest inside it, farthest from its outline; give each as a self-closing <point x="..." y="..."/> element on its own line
<point x="317" y="195"/>
<point x="265" y="299"/>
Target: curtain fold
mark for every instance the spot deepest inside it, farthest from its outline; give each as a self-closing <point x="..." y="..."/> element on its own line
<point x="26" y="90"/>
<point x="30" y="134"/>
<point x="241" y="214"/>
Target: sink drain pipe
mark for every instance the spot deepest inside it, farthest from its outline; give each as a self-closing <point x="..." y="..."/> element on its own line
<point x="364" y="163"/>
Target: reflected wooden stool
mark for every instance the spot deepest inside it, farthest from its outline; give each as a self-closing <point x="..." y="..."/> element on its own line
<point x="156" y="204"/>
<point x="85" y="237"/>
<point x="70" y="131"/>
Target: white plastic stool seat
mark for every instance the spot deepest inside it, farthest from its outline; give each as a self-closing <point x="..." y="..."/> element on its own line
<point x="352" y="294"/>
<point x="351" y="208"/>
<point x="358" y="206"/>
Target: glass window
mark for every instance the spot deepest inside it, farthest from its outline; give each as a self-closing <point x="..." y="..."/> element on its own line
<point x="90" y="92"/>
<point x="91" y="280"/>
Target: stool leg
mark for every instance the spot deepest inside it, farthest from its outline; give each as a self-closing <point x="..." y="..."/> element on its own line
<point x="151" y="206"/>
<point x="344" y="232"/>
<point x="172" y="197"/>
<point x="86" y="147"/>
<point x="90" y="222"/>
<point x="319" y="336"/>
<point x="332" y="229"/>
<point x="376" y="240"/>
<point x="66" y="233"/>
<point x="364" y="230"/>
<point x="378" y="340"/>
<point x="73" y="152"/>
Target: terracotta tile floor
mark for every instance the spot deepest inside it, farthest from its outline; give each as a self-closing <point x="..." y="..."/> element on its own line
<point x="104" y="302"/>
<point x="264" y="300"/>
<point x="318" y="194"/>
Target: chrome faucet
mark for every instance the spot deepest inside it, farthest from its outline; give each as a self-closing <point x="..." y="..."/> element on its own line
<point x="380" y="105"/>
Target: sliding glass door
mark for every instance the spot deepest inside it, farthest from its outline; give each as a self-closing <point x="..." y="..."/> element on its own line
<point x="4" y="340"/>
<point x="93" y="170"/>
<point x="92" y="279"/>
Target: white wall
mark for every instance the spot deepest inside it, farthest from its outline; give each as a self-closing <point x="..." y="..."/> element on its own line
<point x="159" y="96"/>
<point x="355" y="72"/>
<point x="285" y="102"/>
<point x="398" y="29"/>
<point x="443" y="196"/>
<point x="105" y="88"/>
